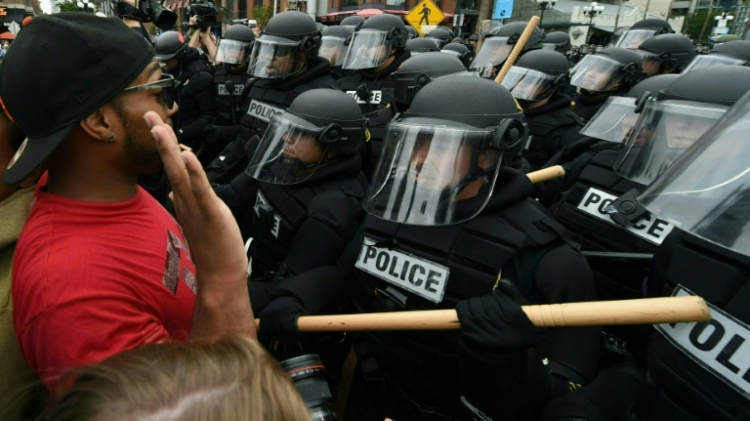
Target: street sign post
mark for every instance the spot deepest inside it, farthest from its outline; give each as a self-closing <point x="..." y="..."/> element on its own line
<point x="425" y="13"/>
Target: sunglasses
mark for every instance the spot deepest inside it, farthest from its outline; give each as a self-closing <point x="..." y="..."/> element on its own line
<point x="167" y="85"/>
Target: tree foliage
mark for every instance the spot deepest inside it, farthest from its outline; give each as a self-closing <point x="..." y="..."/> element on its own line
<point x="67" y="6"/>
<point x="262" y="14"/>
<point x="695" y="23"/>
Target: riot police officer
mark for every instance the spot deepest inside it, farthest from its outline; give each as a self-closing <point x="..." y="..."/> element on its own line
<point x="609" y="72"/>
<point x="416" y="72"/>
<point x="284" y="64"/>
<point x="441" y="36"/>
<point x="497" y="46"/>
<point x="334" y="47"/>
<point x="232" y="54"/>
<point x="353" y="22"/>
<point x="666" y="53"/>
<point x="195" y="83"/>
<point x="558" y="41"/>
<point x="733" y="53"/>
<point x="641" y="31"/>
<point x="416" y="46"/>
<point x="538" y="80"/>
<point x="472" y="41"/>
<point x="459" y="50"/>
<point x="376" y="51"/>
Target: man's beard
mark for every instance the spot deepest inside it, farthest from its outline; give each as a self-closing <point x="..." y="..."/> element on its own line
<point x="146" y="161"/>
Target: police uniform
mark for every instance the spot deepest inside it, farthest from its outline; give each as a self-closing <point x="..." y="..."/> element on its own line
<point x="229" y="85"/>
<point x="552" y="126"/>
<point x="194" y="79"/>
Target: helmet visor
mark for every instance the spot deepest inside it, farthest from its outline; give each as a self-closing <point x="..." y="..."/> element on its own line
<point x="232" y="52"/>
<point x="711" y="60"/>
<point x="707" y="192"/>
<point x="432" y="174"/>
<point x="333" y="49"/>
<point x="368" y="49"/>
<point x="273" y="59"/>
<point x="596" y="73"/>
<point x="493" y="53"/>
<point x="663" y="132"/>
<point x="528" y="84"/>
<point x="614" y="121"/>
<point x="633" y="38"/>
<point x="289" y="152"/>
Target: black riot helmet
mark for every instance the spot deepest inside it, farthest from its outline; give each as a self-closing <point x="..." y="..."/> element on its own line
<point x="498" y="44"/>
<point x="641" y="31"/>
<point x="677" y="117"/>
<point x="666" y="53"/>
<point x="457" y="40"/>
<point x="279" y="50"/>
<point x="412" y="32"/>
<point x="611" y="69"/>
<point x="352" y="21"/>
<point x="441" y="158"/>
<point x="318" y="127"/>
<point x="558" y="41"/>
<point x="169" y="45"/>
<point x="440" y="36"/>
<point x="459" y="50"/>
<point x="372" y="43"/>
<point x="334" y="44"/>
<point x="417" y="71"/>
<point x="235" y="47"/>
<point x="417" y="46"/>
<point x="537" y="75"/>
<point x="732" y="53"/>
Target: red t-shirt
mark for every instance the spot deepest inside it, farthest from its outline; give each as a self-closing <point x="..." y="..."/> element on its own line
<point x="91" y="280"/>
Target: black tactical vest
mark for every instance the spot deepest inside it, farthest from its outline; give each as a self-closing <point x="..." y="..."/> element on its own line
<point x="228" y="88"/>
<point x="188" y="88"/>
<point x="700" y="371"/>
<point x="551" y="127"/>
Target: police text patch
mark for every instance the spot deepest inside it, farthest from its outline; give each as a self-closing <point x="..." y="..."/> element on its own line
<point x="721" y="345"/>
<point x="649" y="227"/>
<point x="375" y="97"/>
<point x="263" y="111"/>
<point x="221" y="89"/>
<point x="412" y="273"/>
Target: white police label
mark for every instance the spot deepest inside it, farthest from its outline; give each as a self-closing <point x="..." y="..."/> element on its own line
<point x="721" y="345"/>
<point x="260" y="201"/>
<point x="263" y="111"/>
<point x="375" y="97"/>
<point x="412" y="273"/>
<point x="222" y="90"/>
<point x="648" y="227"/>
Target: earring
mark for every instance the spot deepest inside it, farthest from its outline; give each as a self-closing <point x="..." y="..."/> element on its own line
<point x="111" y="137"/>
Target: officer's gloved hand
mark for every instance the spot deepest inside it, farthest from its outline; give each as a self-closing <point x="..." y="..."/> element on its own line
<point x="220" y="134"/>
<point x="279" y="319"/>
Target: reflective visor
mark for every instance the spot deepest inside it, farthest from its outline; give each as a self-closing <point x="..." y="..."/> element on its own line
<point x="663" y="132"/>
<point x="289" y="152"/>
<point x="528" y="84"/>
<point x="333" y="49"/>
<point x="232" y="52"/>
<point x="710" y="60"/>
<point x="273" y="59"/>
<point x="707" y="192"/>
<point x="633" y="38"/>
<point x="493" y="52"/>
<point x="368" y="49"/>
<point x="596" y="73"/>
<point x="613" y="121"/>
<point x="426" y="173"/>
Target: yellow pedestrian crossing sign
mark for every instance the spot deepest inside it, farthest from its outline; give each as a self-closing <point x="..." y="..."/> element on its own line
<point x="426" y="14"/>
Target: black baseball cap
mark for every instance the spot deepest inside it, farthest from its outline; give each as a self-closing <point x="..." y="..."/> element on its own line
<point x="61" y="68"/>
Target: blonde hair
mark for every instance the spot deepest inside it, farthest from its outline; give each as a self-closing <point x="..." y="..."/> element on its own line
<point x="232" y="379"/>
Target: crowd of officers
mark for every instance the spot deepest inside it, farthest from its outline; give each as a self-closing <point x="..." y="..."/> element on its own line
<point x="378" y="171"/>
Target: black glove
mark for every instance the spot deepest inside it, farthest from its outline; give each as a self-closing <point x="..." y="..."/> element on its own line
<point x="494" y="323"/>
<point x="220" y="134"/>
<point x="279" y="319"/>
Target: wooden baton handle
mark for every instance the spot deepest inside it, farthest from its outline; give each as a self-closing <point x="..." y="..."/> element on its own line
<point x="593" y="313"/>
<point x="546" y="174"/>
<point x="533" y="22"/>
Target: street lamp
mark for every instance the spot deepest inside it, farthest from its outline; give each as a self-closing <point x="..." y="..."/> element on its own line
<point x="723" y="19"/>
<point x="591" y="12"/>
<point x="544" y="5"/>
<point x="85" y="5"/>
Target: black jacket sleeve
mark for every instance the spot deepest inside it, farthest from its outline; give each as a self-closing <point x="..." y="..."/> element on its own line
<point x="202" y="87"/>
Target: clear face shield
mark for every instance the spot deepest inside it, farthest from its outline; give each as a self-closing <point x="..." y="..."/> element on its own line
<point x="663" y="132"/>
<point x="711" y="60"/>
<point x="368" y="49"/>
<point x="289" y="152"/>
<point x="614" y="121"/>
<point x="529" y="85"/>
<point x="333" y="49"/>
<point x="632" y="39"/>
<point x="432" y="174"/>
<point x="231" y="51"/>
<point x="651" y="62"/>
<point x="596" y="73"/>
<point x="707" y="192"/>
<point x="274" y="57"/>
<point x="493" y="53"/>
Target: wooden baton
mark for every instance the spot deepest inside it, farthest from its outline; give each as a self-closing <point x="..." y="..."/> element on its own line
<point x="533" y="22"/>
<point x="546" y="174"/>
<point x="593" y="313"/>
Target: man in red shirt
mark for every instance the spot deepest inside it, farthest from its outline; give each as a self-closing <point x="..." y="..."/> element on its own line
<point x="100" y="266"/>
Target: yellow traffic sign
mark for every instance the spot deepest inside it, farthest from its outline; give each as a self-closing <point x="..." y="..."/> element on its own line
<point x="425" y="13"/>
